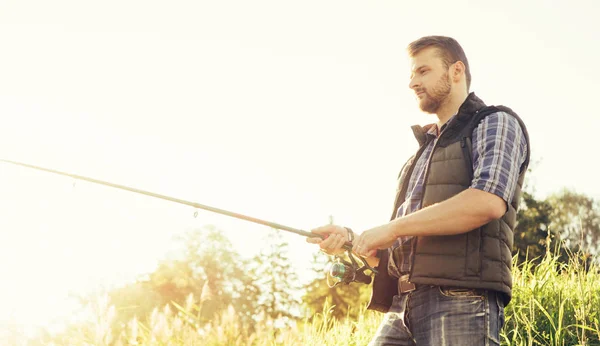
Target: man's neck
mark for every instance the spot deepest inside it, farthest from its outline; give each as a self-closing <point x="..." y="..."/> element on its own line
<point x="450" y="108"/>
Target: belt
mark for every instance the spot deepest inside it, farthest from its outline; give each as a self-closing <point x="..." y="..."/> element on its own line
<point x="405" y="286"/>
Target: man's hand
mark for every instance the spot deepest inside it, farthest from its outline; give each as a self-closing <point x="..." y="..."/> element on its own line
<point x="367" y="244"/>
<point x="337" y="236"/>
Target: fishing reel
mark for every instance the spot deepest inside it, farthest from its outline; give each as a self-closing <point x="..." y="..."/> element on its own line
<point x="342" y="271"/>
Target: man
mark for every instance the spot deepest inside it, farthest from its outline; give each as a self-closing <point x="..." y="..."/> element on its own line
<point x="444" y="259"/>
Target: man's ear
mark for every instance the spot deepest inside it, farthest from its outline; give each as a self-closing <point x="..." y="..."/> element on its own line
<point x="458" y="71"/>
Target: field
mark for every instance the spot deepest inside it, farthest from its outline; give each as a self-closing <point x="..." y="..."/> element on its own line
<point x="554" y="304"/>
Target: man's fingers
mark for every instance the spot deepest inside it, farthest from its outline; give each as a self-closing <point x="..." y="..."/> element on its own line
<point x="314" y="240"/>
<point x="328" y="243"/>
<point x="339" y="241"/>
<point x="365" y="251"/>
<point x="323" y="230"/>
<point x="344" y="241"/>
<point x="334" y="242"/>
<point x="332" y="238"/>
<point x="356" y="244"/>
<point x="359" y="247"/>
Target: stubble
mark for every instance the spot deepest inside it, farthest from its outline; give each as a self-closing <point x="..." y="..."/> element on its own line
<point x="436" y="96"/>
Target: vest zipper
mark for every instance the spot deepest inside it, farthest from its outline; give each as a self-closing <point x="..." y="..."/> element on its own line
<point x="414" y="244"/>
<point x="405" y="183"/>
<point x="402" y="195"/>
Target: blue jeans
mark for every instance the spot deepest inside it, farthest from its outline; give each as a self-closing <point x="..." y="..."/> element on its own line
<point x="444" y="316"/>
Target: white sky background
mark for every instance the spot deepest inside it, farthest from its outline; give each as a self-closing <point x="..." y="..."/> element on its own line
<point x="287" y="111"/>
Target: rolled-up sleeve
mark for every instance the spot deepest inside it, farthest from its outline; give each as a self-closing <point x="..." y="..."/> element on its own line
<point x="499" y="150"/>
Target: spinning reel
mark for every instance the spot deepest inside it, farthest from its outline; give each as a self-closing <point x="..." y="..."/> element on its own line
<point x="345" y="272"/>
<point x="342" y="271"/>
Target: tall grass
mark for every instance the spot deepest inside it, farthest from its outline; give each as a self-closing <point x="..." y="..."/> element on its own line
<point x="553" y="304"/>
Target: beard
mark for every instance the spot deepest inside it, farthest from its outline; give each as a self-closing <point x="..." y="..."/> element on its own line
<point x="437" y="95"/>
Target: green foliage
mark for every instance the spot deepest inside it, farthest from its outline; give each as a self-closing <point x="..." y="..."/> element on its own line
<point x="553" y="304"/>
<point x="246" y="296"/>
<point x="207" y="267"/>
<point x="532" y="228"/>
<point x="208" y="272"/>
<point x="571" y="218"/>
<point x="576" y="217"/>
<point x="210" y="296"/>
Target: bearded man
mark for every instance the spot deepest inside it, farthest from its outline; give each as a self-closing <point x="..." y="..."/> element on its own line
<point x="444" y="259"/>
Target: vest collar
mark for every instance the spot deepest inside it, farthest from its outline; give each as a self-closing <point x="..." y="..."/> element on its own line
<point x="420" y="134"/>
<point x="470" y="106"/>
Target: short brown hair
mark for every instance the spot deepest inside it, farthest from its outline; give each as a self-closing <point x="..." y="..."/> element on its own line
<point x="448" y="49"/>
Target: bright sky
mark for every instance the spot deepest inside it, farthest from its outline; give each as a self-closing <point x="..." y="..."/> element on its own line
<point x="287" y="111"/>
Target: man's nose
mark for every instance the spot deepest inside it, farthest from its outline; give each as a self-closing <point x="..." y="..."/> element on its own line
<point x="413" y="83"/>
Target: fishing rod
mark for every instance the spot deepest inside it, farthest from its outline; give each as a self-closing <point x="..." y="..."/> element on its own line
<point x="342" y="271"/>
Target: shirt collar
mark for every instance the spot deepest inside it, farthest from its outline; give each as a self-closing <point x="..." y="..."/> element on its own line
<point x="432" y="129"/>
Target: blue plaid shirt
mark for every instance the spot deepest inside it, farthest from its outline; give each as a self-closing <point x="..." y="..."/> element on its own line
<point x="499" y="150"/>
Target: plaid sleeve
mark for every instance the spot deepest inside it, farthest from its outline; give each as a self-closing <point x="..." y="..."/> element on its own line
<point x="499" y="150"/>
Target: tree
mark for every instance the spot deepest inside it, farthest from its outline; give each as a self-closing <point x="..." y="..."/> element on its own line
<point x="246" y="294"/>
<point x="277" y="279"/>
<point x="207" y="267"/>
<point x="569" y="220"/>
<point x="227" y="279"/>
<point x="576" y="217"/>
<point x="170" y="281"/>
<point x="531" y="233"/>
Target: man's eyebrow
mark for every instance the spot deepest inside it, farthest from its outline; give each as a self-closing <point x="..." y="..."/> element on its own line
<point x="421" y="67"/>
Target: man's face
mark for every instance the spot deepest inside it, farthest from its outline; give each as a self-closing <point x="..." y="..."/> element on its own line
<point x="430" y="80"/>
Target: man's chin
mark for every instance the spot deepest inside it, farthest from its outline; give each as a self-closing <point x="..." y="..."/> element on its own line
<point x="427" y="107"/>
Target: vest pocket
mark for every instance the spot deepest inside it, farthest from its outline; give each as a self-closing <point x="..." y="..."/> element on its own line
<point x="473" y="255"/>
